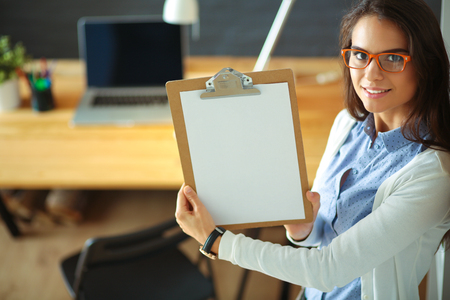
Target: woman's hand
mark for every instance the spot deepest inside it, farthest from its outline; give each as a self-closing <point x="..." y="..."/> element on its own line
<point x="301" y="231"/>
<point x="192" y="216"/>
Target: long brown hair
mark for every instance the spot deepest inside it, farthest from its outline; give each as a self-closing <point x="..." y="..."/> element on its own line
<point x="431" y="104"/>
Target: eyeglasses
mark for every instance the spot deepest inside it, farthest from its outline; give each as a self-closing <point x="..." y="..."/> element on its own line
<point x="388" y="62"/>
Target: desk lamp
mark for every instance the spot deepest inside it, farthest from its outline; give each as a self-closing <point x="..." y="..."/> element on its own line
<point x="186" y="12"/>
<point x="182" y="12"/>
<point x="273" y="36"/>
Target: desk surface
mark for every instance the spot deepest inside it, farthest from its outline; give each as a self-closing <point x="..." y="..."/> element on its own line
<point x="40" y="150"/>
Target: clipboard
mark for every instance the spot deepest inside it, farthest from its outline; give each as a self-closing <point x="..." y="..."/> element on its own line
<point x="240" y="146"/>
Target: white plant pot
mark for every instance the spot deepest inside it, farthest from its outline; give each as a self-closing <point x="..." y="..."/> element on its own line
<point x="9" y="95"/>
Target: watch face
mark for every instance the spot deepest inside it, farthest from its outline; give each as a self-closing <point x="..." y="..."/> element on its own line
<point x="209" y="255"/>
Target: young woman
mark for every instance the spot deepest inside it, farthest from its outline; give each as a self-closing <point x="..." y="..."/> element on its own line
<point x="383" y="185"/>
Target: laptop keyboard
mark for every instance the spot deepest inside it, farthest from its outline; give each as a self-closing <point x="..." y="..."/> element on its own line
<point x="128" y="100"/>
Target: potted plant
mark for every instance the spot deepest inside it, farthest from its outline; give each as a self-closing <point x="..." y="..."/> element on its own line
<point x="11" y="58"/>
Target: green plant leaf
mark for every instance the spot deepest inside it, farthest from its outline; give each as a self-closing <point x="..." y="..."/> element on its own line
<point x="11" y="58"/>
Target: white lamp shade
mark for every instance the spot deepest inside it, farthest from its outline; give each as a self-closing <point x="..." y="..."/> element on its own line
<point x="180" y="11"/>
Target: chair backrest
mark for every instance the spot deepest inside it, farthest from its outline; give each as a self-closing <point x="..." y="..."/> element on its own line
<point x="128" y="246"/>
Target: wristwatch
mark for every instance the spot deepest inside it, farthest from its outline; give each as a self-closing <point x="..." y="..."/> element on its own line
<point x="206" y="248"/>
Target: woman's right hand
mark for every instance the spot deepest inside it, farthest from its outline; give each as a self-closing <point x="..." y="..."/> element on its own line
<point x="301" y="231"/>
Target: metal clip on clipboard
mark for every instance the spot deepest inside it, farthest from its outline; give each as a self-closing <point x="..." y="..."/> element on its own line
<point x="228" y="83"/>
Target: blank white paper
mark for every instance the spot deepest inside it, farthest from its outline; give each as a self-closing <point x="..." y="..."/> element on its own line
<point x="244" y="155"/>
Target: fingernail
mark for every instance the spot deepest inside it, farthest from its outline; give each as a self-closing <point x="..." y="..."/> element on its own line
<point x="188" y="190"/>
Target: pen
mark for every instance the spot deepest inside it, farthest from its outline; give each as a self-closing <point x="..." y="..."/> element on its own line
<point x="50" y="68"/>
<point x="44" y="69"/>
<point x="21" y="73"/>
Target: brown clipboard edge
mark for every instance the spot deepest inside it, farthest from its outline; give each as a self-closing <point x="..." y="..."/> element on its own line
<point x="174" y="88"/>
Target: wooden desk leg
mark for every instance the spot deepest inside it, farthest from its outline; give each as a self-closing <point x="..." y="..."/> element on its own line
<point x="8" y="219"/>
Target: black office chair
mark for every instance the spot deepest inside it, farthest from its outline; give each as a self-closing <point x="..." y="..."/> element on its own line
<point x="140" y="265"/>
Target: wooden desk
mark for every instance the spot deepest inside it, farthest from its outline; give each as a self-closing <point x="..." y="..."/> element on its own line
<point x="40" y="150"/>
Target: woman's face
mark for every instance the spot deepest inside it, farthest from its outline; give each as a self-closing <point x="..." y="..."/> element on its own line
<point x="387" y="95"/>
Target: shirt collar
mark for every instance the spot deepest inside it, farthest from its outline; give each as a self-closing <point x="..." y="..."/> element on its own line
<point x="392" y="140"/>
<point x="369" y="126"/>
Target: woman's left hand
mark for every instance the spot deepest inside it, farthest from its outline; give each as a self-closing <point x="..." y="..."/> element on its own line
<point x="192" y="216"/>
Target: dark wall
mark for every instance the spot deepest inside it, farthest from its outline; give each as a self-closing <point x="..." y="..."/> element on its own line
<point x="232" y="27"/>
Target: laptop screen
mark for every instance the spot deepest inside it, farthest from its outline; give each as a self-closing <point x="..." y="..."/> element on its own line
<point x="127" y="52"/>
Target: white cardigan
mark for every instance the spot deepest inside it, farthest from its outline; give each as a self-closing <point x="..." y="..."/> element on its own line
<point x="391" y="249"/>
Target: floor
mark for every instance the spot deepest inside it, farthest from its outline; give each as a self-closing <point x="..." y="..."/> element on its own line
<point x="29" y="264"/>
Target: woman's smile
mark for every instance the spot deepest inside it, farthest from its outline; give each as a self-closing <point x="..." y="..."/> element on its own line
<point x="375" y="93"/>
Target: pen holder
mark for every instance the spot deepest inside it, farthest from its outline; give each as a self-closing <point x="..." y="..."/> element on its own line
<point x="42" y="100"/>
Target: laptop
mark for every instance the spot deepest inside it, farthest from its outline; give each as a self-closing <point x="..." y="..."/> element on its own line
<point x="128" y="61"/>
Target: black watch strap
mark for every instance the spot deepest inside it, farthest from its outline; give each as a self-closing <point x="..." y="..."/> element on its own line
<point x="218" y="231"/>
